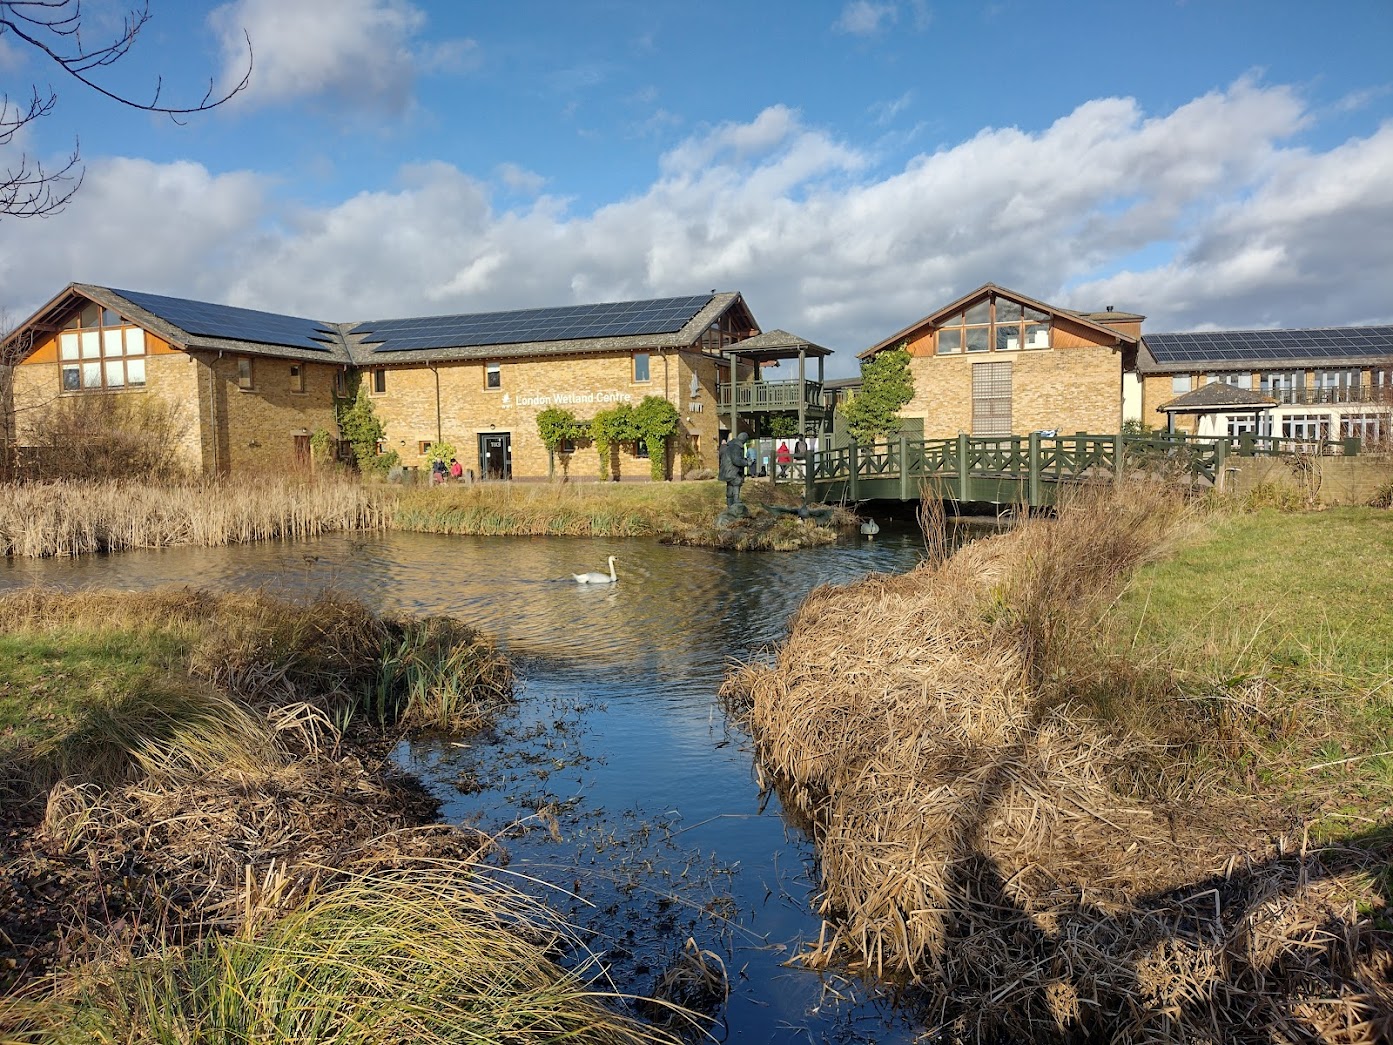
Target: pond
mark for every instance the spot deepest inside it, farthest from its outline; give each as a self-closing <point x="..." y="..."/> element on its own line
<point x="617" y="787"/>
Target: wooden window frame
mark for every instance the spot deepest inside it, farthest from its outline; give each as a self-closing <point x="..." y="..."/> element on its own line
<point x="116" y="348"/>
<point x="993" y="330"/>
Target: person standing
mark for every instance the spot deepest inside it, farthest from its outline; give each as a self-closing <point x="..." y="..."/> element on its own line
<point x="783" y="457"/>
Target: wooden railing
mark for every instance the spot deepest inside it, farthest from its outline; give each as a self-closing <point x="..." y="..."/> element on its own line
<point x="770" y="395"/>
<point x="967" y="465"/>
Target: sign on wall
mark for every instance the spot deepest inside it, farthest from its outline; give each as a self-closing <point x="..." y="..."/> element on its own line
<point x="541" y="402"/>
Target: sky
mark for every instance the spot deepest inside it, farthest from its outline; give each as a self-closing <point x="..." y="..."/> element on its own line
<point x="848" y="166"/>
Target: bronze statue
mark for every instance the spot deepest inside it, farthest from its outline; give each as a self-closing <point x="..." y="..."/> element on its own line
<point x="732" y="465"/>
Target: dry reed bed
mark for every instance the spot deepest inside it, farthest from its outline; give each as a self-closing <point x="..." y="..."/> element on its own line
<point x="71" y="518"/>
<point x="972" y="839"/>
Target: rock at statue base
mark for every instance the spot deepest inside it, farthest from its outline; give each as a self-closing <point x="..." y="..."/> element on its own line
<point x="732" y="514"/>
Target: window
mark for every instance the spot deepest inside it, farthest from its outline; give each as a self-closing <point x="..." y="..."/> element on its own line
<point x="1285" y="386"/>
<point x="991" y="398"/>
<point x="297" y="377"/>
<point x="493" y="375"/>
<point x="1247" y="424"/>
<point x="341" y="384"/>
<point x="996" y="324"/>
<point x="98" y="351"/>
<point x="379" y="382"/>
<point x="1367" y="428"/>
<point x="422" y="446"/>
<point x="1239" y="380"/>
<point x="1180" y="383"/>
<point x="640" y="366"/>
<point x="1305" y="426"/>
<point x="1337" y="386"/>
<point x="244" y="372"/>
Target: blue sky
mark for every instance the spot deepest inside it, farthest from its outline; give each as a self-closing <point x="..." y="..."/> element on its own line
<point x="849" y="166"/>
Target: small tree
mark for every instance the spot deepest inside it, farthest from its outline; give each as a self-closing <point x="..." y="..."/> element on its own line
<point x="781" y="426"/>
<point x="557" y="426"/>
<point x="610" y="429"/>
<point x="886" y="386"/>
<point x="656" y="421"/>
<point x="440" y="451"/>
<point x="364" y="432"/>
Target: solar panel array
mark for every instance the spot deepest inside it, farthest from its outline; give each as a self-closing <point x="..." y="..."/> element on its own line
<point x="1252" y="345"/>
<point x="235" y="324"/>
<point x="523" y="326"/>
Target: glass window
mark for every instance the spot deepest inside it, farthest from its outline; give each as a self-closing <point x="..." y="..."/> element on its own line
<point x="1037" y="335"/>
<point x="244" y="372"/>
<point x="640" y="366"/>
<point x="67" y="346"/>
<point x="1305" y="426"/>
<point x="91" y="375"/>
<point x="493" y="376"/>
<point x="379" y="381"/>
<point x="1180" y="383"/>
<point x="91" y="344"/>
<point x="995" y="324"/>
<point x="111" y="354"/>
<point x="1008" y="311"/>
<point x="341" y="384"/>
<point x="111" y="342"/>
<point x="1243" y="380"/>
<point x="91" y="315"/>
<point x="110" y="318"/>
<point x="977" y="338"/>
<point x="135" y="371"/>
<point x="115" y="373"/>
<point x="1008" y="339"/>
<point x="72" y="378"/>
<point x="297" y="377"/>
<point x="135" y="341"/>
<point x="978" y="313"/>
<point x="950" y="339"/>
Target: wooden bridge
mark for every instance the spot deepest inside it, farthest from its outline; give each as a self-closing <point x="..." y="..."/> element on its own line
<point x="1024" y="470"/>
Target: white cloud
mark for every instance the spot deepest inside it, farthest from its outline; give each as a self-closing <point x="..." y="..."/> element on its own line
<point x="1269" y="232"/>
<point x="864" y="17"/>
<point x="363" y="52"/>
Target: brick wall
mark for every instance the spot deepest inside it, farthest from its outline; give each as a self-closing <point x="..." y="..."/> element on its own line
<point x="1071" y="389"/>
<point x="1342" y="480"/>
<point x="247" y="432"/>
<point x="585" y="385"/>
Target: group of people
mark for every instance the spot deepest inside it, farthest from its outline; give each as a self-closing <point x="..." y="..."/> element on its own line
<point x="440" y="471"/>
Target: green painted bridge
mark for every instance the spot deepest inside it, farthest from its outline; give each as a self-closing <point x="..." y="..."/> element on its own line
<point x="1023" y="470"/>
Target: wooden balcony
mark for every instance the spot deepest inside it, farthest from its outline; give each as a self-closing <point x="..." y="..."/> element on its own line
<point x="772" y="396"/>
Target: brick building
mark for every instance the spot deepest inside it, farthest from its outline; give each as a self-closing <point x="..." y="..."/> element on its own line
<point x="250" y="388"/>
<point x="996" y="362"/>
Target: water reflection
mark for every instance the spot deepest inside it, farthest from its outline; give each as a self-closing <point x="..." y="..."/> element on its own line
<point x="618" y="776"/>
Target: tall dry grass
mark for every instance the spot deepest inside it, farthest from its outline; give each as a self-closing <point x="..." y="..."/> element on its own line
<point x="77" y="518"/>
<point x="973" y="836"/>
<point x="437" y="954"/>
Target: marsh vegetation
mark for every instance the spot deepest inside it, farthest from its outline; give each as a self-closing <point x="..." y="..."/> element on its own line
<point x="1120" y="775"/>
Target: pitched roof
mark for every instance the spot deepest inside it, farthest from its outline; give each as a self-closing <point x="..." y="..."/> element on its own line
<point x="1248" y="349"/>
<point x="992" y="288"/>
<point x="778" y="344"/>
<point x="199" y="325"/>
<point x="1216" y="396"/>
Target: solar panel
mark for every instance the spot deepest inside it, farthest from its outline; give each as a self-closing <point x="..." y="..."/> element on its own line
<point x="1256" y="345"/>
<point x="609" y="319"/>
<point x="235" y="324"/>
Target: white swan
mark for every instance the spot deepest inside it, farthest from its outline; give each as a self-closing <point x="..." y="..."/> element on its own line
<point x="597" y="578"/>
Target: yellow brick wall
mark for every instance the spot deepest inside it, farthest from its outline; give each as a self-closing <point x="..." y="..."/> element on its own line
<point x="1072" y="390"/>
<point x="252" y="432"/>
<point x="170" y="376"/>
<point x="585" y="385"/>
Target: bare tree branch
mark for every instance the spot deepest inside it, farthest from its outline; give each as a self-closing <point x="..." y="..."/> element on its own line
<point x="54" y="27"/>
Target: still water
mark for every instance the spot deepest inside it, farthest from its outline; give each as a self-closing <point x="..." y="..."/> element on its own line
<point x="617" y="787"/>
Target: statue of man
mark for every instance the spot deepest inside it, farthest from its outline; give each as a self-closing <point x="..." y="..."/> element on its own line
<point x="732" y="467"/>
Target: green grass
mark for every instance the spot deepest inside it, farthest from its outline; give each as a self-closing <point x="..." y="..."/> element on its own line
<point x="1308" y="593"/>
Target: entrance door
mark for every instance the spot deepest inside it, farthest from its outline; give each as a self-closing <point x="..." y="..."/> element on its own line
<point x="302" y="451"/>
<point x="496" y="455"/>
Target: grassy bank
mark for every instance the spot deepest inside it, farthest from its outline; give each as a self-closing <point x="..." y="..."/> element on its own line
<point x="204" y="848"/>
<point x="1061" y="779"/>
<point x="39" y="520"/>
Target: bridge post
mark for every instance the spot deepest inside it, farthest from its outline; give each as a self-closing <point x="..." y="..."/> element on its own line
<point x="808" y="486"/>
<point x="1033" y="491"/>
<point x="964" y="469"/>
<point x="904" y="468"/>
<point x="1118" y="449"/>
<point x="1221" y="456"/>
<point x="853" y="482"/>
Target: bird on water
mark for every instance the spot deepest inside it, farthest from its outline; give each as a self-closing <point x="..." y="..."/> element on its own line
<point x="597" y="578"/>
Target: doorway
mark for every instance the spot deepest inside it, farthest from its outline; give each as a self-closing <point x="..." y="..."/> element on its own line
<point x="495" y="455"/>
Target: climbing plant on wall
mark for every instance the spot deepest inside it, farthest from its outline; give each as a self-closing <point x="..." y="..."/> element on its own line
<point x="655" y="420"/>
<point x="611" y="429"/>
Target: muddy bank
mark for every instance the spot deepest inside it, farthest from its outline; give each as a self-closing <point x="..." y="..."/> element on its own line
<point x="1040" y="868"/>
<point x="179" y="763"/>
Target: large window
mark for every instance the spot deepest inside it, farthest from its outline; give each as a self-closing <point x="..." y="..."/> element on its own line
<point x="98" y="350"/>
<point x="1241" y="379"/>
<point x="991" y="398"/>
<point x="640" y="366"/>
<point x="1306" y="426"/>
<point x="997" y="324"/>
<point x="1180" y="384"/>
<point x="1369" y="428"/>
